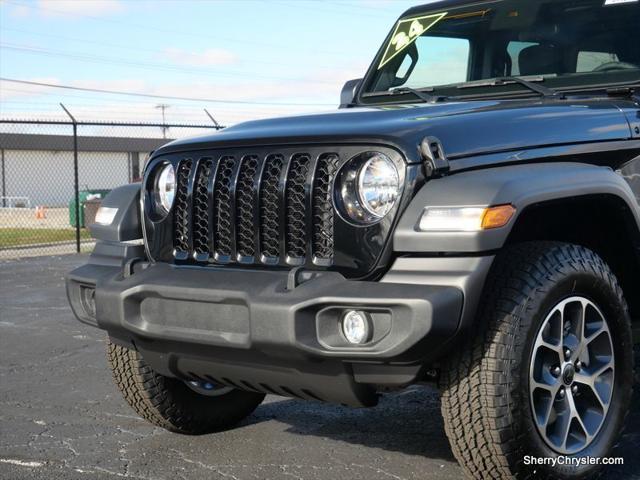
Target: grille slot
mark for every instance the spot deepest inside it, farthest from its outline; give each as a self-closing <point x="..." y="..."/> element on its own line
<point x="222" y="208"/>
<point x="296" y="206"/>
<point x="322" y="206"/>
<point x="245" y="206"/>
<point x="181" y="208"/>
<point x="201" y="212"/>
<point x="268" y="208"/>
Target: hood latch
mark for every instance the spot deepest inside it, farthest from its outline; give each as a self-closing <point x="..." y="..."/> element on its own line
<point x="435" y="159"/>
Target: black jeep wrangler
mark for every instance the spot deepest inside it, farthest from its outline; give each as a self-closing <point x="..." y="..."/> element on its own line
<point x="470" y="217"/>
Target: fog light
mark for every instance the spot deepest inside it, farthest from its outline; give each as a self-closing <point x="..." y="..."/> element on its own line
<point x="356" y="326"/>
<point x="88" y="300"/>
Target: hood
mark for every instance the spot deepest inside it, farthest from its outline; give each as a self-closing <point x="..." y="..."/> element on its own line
<point x="464" y="128"/>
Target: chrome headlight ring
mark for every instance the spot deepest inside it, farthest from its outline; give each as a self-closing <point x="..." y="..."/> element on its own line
<point x="164" y="188"/>
<point x="368" y="187"/>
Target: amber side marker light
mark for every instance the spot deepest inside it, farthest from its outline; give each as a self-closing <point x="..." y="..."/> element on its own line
<point x="497" y="217"/>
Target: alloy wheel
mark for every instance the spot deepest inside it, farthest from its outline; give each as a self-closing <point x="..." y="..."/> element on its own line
<point x="571" y="376"/>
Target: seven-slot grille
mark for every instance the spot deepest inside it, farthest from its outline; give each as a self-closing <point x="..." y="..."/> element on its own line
<point x="257" y="209"/>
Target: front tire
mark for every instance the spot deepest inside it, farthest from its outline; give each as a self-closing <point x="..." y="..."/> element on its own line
<point x="172" y="404"/>
<point x="514" y="373"/>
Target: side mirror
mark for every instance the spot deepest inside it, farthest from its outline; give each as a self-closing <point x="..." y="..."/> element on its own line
<point x="348" y="93"/>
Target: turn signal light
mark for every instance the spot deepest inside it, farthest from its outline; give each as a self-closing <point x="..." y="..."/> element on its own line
<point x="497" y="217"/>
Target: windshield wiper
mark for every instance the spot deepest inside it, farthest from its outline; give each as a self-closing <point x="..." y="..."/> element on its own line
<point x="497" y="82"/>
<point x="421" y="94"/>
<point x="632" y="91"/>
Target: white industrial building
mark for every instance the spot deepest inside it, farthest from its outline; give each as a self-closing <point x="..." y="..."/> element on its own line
<point x="40" y="167"/>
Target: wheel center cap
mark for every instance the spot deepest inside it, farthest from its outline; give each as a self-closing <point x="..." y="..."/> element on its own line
<point x="568" y="374"/>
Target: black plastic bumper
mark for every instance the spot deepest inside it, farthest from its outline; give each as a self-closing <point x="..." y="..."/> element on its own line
<point x="276" y="332"/>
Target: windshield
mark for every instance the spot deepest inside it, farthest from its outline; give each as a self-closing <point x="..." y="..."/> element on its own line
<point x="560" y="43"/>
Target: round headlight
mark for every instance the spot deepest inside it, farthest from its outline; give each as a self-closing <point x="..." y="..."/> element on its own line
<point x="368" y="186"/>
<point x="166" y="187"/>
<point x="378" y="185"/>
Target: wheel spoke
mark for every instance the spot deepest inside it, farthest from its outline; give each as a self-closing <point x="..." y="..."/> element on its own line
<point x="590" y="380"/>
<point x="593" y="335"/>
<point x="607" y="366"/>
<point x="551" y="346"/>
<point x="551" y="388"/>
<point x="579" y="332"/>
<point x="552" y="399"/>
<point x="564" y="423"/>
<point x="594" y="325"/>
<point x="573" y="328"/>
<point x="575" y="415"/>
<point x="578" y="329"/>
<point x="584" y="379"/>
<point x="601" y="402"/>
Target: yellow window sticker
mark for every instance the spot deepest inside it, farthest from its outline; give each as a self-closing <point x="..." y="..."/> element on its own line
<point x="406" y="32"/>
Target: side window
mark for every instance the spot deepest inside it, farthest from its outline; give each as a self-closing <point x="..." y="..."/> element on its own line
<point x="589" y="61"/>
<point x="442" y="60"/>
<point x="514" y="49"/>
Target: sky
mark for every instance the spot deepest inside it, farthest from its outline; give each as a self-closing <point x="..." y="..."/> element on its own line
<point x="258" y="58"/>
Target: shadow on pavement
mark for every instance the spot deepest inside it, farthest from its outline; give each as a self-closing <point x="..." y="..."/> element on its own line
<point x="408" y="422"/>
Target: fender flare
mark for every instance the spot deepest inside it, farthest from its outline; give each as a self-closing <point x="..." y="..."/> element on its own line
<point x="126" y="225"/>
<point x="519" y="185"/>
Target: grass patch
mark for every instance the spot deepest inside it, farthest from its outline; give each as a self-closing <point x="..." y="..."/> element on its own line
<point x="14" y="237"/>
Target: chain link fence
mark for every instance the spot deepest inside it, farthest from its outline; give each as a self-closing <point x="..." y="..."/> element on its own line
<point x="54" y="174"/>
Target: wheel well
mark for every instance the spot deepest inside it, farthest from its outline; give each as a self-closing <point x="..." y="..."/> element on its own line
<point x="602" y="223"/>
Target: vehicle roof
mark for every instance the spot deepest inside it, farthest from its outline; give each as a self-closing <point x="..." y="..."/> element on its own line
<point x="440" y="5"/>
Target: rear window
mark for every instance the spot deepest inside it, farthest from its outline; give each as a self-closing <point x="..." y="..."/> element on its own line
<point x="514" y="50"/>
<point x="592" y="61"/>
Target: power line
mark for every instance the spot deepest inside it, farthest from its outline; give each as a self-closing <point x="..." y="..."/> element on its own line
<point x="86" y="41"/>
<point x="181" y="110"/>
<point x="88" y="99"/>
<point x="147" y="65"/>
<point x="143" y="107"/>
<point x="167" y="97"/>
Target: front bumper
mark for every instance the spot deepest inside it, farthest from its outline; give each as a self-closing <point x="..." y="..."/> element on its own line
<point x="272" y="331"/>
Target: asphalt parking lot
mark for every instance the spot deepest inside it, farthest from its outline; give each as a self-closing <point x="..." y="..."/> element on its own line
<point x="62" y="417"/>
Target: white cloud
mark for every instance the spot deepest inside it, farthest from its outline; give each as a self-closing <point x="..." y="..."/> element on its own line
<point x="211" y="56"/>
<point x="18" y="11"/>
<point x="80" y="7"/>
<point x="95" y="106"/>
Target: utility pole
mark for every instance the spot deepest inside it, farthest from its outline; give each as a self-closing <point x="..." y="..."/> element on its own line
<point x="163" y="107"/>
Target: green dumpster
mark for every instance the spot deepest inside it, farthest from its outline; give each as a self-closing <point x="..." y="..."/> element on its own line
<point x="83" y="195"/>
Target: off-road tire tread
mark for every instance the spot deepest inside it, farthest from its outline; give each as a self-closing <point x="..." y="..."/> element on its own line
<point x="162" y="401"/>
<point x="478" y="392"/>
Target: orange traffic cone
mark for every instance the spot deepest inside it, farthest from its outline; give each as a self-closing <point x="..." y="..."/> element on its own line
<point x="40" y="214"/>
